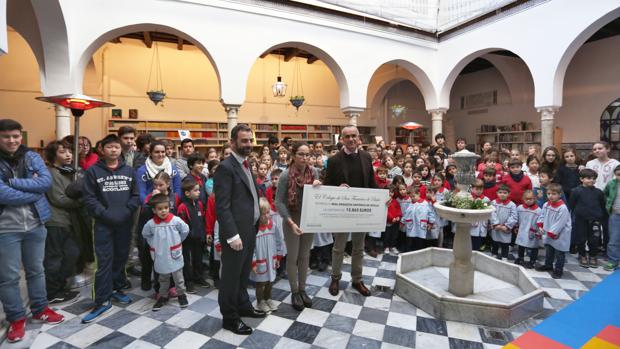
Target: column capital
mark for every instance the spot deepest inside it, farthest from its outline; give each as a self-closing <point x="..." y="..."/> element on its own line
<point x="352" y="110"/>
<point x="231" y="107"/>
<point x="547" y="112"/>
<point x="437" y="111"/>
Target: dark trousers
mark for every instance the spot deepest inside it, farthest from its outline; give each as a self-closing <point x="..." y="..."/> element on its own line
<point x="61" y="256"/>
<point x="390" y="237"/>
<point x="476" y="242"/>
<point x="532" y="252"/>
<point x="146" y="261"/>
<point x="236" y="266"/>
<point x="414" y="244"/>
<point x="587" y="231"/>
<point x="321" y="254"/>
<point x="111" y="251"/>
<point x="504" y="247"/>
<point x="552" y="254"/>
<point x="214" y="266"/>
<point x="192" y="257"/>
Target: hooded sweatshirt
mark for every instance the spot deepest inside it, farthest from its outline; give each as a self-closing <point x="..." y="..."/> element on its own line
<point x="111" y="195"/>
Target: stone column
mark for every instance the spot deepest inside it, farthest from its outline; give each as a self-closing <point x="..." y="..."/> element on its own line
<point x="437" y="121"/>
<point x="232" y="110"/>
<point x="63" y="121"/>
<point x="461" y="272"/>
<point x="547" y="115"/>
<point x="353" y="114"/>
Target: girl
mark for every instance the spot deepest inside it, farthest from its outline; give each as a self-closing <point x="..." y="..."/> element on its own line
<point x="425" y="172"/>
<point x="602" y="165"/>
<point x="437" y="186"/>
<point x="262" y="182"/>
<point x="400" y="161"/>
<point x="266" y="259"/>
<point x="404" y="201"/>
<point x="393" y="170"/>
<point x="450" y="177"/>
<point x="550" y="160"/>
<point x="392" y="227"/>
<point x="87" y="156"/>
<point x="398" y="152"/>
<point x="568" y="172"/>
<point x="419" y="162"/>
<point x="265" y="150"/>
<point x="408" y="173"/>
<point x="156" y="163"/>
<point x="533" y="164"/>
<point x="282" y="160"/>
<point x="528" y="237"/>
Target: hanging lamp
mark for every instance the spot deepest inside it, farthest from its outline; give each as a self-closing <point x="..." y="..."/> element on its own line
<point x="297" y="94"/>
<point x="398" y="110"/>
<point x="157" y="94"/>
<point x="279" y="88"/>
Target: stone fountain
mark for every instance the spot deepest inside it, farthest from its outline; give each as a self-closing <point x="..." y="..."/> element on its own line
<point x="461" y="285"/>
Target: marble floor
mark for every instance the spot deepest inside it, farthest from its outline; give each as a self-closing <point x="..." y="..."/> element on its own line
<point x="348" y="320"/>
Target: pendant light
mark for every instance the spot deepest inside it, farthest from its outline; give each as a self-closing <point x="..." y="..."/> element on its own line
<point x="157" y="94"/>
<point x="297" y="95"/>
<point x="398" y="110"/>
<point x="279" y="88"/>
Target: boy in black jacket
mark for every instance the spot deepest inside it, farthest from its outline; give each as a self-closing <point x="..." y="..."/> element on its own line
<point x="588" y="205"/>
<point x="111" y="196"/>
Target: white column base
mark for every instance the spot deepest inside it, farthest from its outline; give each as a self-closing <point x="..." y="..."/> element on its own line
<point x="547" y="120"/>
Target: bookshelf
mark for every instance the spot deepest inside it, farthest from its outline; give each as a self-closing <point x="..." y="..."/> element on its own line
<point x="516" y="136"/>
<point x="214" y="134"/>
<point x="404" y="136"/>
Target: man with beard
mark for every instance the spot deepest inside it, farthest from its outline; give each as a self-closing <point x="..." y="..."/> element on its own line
<point x="236" y="207"/>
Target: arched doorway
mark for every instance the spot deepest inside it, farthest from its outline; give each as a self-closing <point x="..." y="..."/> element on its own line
<point x="610" y="127"/>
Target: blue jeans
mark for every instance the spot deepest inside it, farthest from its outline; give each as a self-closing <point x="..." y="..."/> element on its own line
<point x="28" y="249"/>
<point x="613" y="247"/>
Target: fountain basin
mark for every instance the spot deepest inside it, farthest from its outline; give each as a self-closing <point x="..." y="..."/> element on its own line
<point x="503" y="295"/>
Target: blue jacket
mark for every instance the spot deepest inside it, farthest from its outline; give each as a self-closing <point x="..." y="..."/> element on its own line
<point x="145" y="182"/>
<point x="23" y="192"/>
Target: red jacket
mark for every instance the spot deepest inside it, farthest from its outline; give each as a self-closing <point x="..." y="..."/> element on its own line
<point x="210" y="216"/>
<point x="270" y="194"/>
<point x="381" y="184"/>
<point x="491" y="192"/>
<point x="517" y="188"/>
<point x="394" y="211"/>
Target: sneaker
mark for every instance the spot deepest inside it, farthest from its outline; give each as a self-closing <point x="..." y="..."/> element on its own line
<point x="172" y="292"/>
<point x="97" y="312"/>
<point x="483" y="248"/>
<point x="263" y="306"/>
<point x="71" y="296"/>
<point x="610" y="266"/>
<point x="127" y="285"/>
<point x="557" y="274"/>
<point x="544" y="268"/>
<point x="202" y="283"/>
<point x="56" y="299"/>
<point x="120" y="297"/>
<point x="593" y="262"/>
<point x="146" y="285"/>
<point x="519" y="261"/>
<point x="583" y="261"/>
<point x="49" y="317"/>
<point x="386" y="251"/>
<point x="189" y="288"/>
<point x="182" y="301"/>
<point x="529" y="265"/>
<point x="394" y="250"/>
<point x="272" y="305"/>
<point x="510" y="257"/>
<point x="160" y="303"/>
<point x="17" y="331"/>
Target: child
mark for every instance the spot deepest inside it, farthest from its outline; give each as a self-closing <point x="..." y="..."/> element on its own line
<point x="451" y="177"/>
<point x="613" y="209"/>
<point x="192" y="212"/>
<point x="528" y="237"/>
<point x="533" y="164"/>
<point x="164" y="233"/>
<point x="490" y="183"/>
<point x="111" y="196"/>
<point x="393" y="170"/>
<point x="440" y="191"/>
<point x="418" y="219"/>
<point x="212" y="166"/>
<point x="399" y="160"/>
<point x="603" y="164"/>
<point x="266" y="259"/>
<point x="554" y="224"/>
<point x="503" y="220"/>
<point x="408" y="173"/>
<point x="196" y="164"/>
<point x="282" y="160"/>
<point x="381" y="177"/>
<point x="568" y="172"/>
<point x="275" y="216"/>
<point x="587" y="203"/>
<point x="425" y="173"/>
<point x="517" y="181"/>
<point x="212" y="228"/>
<point x="541" y="192"/>
<point x="478" y="230"/>
<point x="394" y="216"/>
<point x="261" y="179"/>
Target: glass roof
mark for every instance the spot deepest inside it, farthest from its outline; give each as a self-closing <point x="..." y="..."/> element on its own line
<point x="429" y="15"/>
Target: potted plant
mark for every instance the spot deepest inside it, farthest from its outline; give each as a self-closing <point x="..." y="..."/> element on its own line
<point x="297" y="101"/>
<point x="398" y="110"/>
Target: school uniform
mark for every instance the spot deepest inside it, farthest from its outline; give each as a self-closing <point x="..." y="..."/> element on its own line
<point x="527" y="238"/>
<point x="268" y="250"/>
<point x="505" y="214"/>
<point x="478" y="230"/>
<point x="192" y="212"/>
<point x="419" y="220"/>
<point x="555" y="220"/>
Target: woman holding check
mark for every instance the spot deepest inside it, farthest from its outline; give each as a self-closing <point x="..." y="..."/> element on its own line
<point x="289" y="198"/>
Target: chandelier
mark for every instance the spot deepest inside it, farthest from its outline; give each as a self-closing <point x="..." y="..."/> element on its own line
<point x="279" y="88"/>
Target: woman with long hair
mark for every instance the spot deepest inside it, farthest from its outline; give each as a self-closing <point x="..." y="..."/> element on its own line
<point x="155" y="163"/>
<point x="550" y="160"/>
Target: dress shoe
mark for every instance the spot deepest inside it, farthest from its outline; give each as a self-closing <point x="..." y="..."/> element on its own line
<point x="252" y="313"/>
<point x="359" y="286"/>
<point x="297" y="301"/>
<point x="237" y="327"/>
<point x="334" y="286"/>
<point x="307" y="301"/>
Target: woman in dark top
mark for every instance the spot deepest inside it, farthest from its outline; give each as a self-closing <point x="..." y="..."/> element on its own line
<point x="567" y="174"/>
<point x="550" y="160"/>
<point x="289" y="197"/>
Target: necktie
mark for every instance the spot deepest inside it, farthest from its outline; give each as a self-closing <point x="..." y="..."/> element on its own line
<point x="246" y="164"/>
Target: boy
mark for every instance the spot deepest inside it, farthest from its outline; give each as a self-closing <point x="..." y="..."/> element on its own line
<point x="164" y="233"/>
<point x="490" y="183"/>
<point x="478" y="230"/>
<point x="192" y="212"/>
<point x="111" y="196"/>
<point x="517" y="181"/>
<point x="275" y="216"/>
<point x="541" y="192"/>
<point x="554" y="224"/>
<point x="196" y="165"/>
<point x="613" y="209"/>
<point x="528" y="237"/>
<point x="503" y="220"/>
<point x="262" y="182"/>
<point x="587" y="203"/>
<point x="381" y="177"/>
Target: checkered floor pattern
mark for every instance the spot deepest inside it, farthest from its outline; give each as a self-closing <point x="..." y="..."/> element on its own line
<point x="348" y="320"/>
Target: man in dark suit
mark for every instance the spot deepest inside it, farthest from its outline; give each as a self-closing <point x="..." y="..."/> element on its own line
<point x="236" y="206"/>
<point x="350" y="167"/>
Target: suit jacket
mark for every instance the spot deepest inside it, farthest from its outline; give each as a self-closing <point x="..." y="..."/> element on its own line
<point x="234" y="204"/>
<point x="338" y="173"/>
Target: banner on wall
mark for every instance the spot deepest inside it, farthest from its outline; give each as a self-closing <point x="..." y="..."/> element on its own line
<point x="4" y="42"/>
<point x="183" y="134"/>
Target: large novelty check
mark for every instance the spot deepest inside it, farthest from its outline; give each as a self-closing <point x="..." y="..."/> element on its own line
<point x="328" y="209"/>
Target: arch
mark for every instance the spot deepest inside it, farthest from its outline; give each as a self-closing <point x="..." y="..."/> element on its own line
<point x="325" y="57"/>
<point x="446" y="88"/>
<point x="21" y="17"/>
<point x="414" y="74"/>
<point x="573" y="47"/>
<point x="87" y="54"/>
